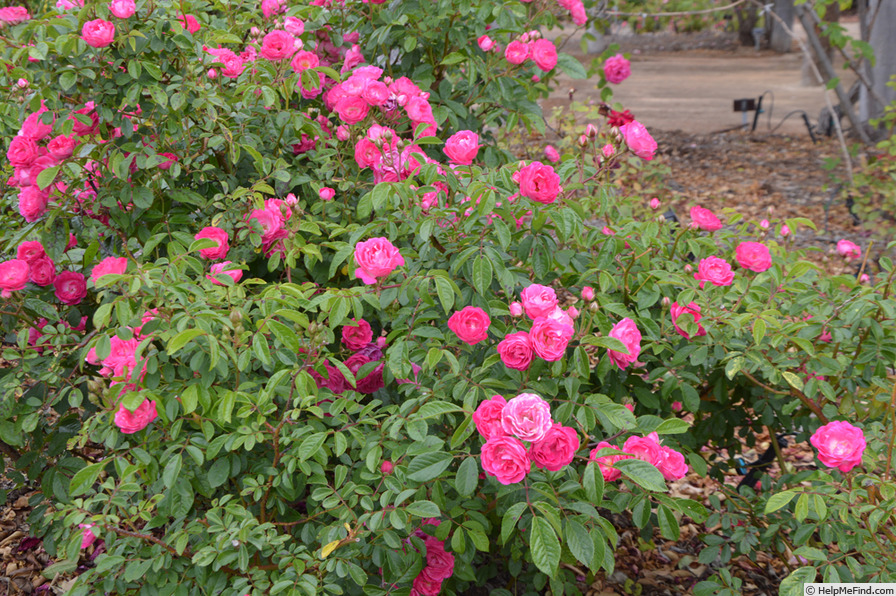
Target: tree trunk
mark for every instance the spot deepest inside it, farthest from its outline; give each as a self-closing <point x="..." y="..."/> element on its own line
<point x="747" y="17"/>
<point x="881" y="25"/>
<point x="781" y="40"/>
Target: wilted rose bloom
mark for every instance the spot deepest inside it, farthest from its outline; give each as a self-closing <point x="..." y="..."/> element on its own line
<point x="131" y="422"/>
<point x="672" y="466"/>
<point x="638" y="140"/>
<point x="506" y="459"/>
<point x="627" y="332"/>
<point x="714" y="270"/>
<point x="470" y="324"/>
<point x="373" y="381"/>
<point x="123" y="9"/>
<point x="527" y="416"/>
<point x="109" y="266"/>
<point x="356" y="336"/>
<point x="754" y="256"/>
<point x="849" y="249"/>
<point x="704" y="219"/>
<point x="692" y="309"/>
<point x="645" y="448"/>
<point x="485" y="43"/>
<point x="605" y="462"/>
<point x="217" y="235"/>
<point x="71" y="287"/>
<point x="14" y="275"/>
<point x="840" y="445"/>
<point x="87" y="535"/>
<point x="487" y="417"/>
<point x="617" y="69"/>
<point x="376" y="257"/>
<point x="439" y="562"/>
<point x="515" y="350"/>
<point x="277" y="45"/>
<point x="556" y="449"/>
<point x="222" y="269"/>
<point x="544" y="53"/>
<point x="98" y="33"/>
<point x="462" y="147"/>
<point x="539" y="182"/>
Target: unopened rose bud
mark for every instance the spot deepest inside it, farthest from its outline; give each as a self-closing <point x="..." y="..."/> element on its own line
<point x="764" y="224"/>
<point x="386" y="467"/>
<point x="654" y="203"/>
<point x="785" y="230"/>
<point x="608" y="150"/>
<point x="593" y="307"/>
<point x="629" y="407"/>
<point x="212" y="73"/>
<point x="688" y="268"/>
<point x="236" y="316"/>
<point x="326" y="193"/>
<point x="583" y="141"/>
<point x="864" y="278"/>
<point x="342" y="132"/>
<point x="676" y="406"/>
<point x="666" y="302"/>
<point x="587" y="293"/>
<point x="22" y="83"/>
<point x="591" y="130"/>
<point x="291" y="199"/>
<point x="381" y="342"/>
<point x="573" y="312"/>
<point x="516" y="309"/>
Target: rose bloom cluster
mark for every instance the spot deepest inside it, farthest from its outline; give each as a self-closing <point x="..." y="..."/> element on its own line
<point x="667" y="460"/>
<point x="358" y="338"/>
<point x="13" y="15"/>
<point x="505" y="425"/>
<point x="390" y="158"/>
<point x="547" y="338"/>
<point x="529" y="46"/>
<point x="34" y="265"/>
<point x="272" y="221"/>
<point x="439" y="564"/>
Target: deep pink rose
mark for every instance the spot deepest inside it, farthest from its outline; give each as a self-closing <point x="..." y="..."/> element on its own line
<point x="840" y="445"/>
<point x="704" y="219"/>
<point x="34" y="126"/>
<point x="544" y="53"/>
<point x="32" y="203"/>
<point x="13" y="15"/>
<point x="98" y="33"/>
<point x="527" y="416"/>
<point x="356" y="336"/>
<point x="549" y="338"/>
<point x="376" y="93"/>
<point x="352" y="109"/>
<point x="423" y="584"/>
<point x="222" y="269"/>
<point x="304" y="60"/>
<point x="627" y="332"/>
<point x="277" y="45"/>
<point x="71" y="287"/>
<point x="375" y="258"/>
<point x="692" y="309"/>
<point x="271" y="8"/>
<point x="538" y="300"/>
<point x="218" y="235"/>
<point x="22" y="151"/>
<point x="87" y="535"/>
<point x="487" y="417"/>
<point x="673" y="466"/>
<point x="462" y="147"/>
<point x="551" y="153"/>
<point x="109" y="266"/>
<point x="372" y="381"/>
<point x="61" y="147"/>
<point x="606" y="461"/>
<point x="30" y="251"/>
<point x="848" y="249"/>
<point x="470" y="324"/>
<point x="293" y="25"/>
<point x="189" y="23"/>
<point x="539" y="182"/>
<point x="233" y="64"/>
<point x="617" y="69"/>
<point x="43" y="271"/>
<point x="556" y="450"/>
<point x="645" y="448"/>
<point x="123" y="9"/>
<point x="506" y="459"/>
<point x="516" y="350"/>
<point x="714" y="270"/>
<point x="14" y="275"/>
<point x="754" y="256"/>
<point x="516" y="52"/>
<point x="271" y="222"/>
<point x="439" y="563"/>
<point x="638" y="140"/>
<point x="130" y="422"/>
<point x="485" y="43"/>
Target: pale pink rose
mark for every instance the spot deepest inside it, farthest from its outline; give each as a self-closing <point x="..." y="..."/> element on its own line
<point x="356" y="336"/>
<point x="516" y="350"/>
<point x="538" y="300"/>
<point x="189" y="23"/>
<point x="605" y="462"/>
<point x="587" y="293"/>
<point x="14" y="275"/>
<point x="439" y="563"/>
<point x="544" y="53"/>
<point x="131" y="422"/>
<point x="764" y="224"/>
<point x="692" y="309"/>
<point x="849" y="249"/>
<point x="638" y="140"/>
<point x="98" y="33"/>
<point x="219" y="236"/>
<point x="43" y="271"/>
<point x="462" y="147"/>
<point x="87" y="535"/>
<point x="487" y="417"/>
<point x="375" y="258"/>
<point x="556" y="449"/>
<point x="109" y="266"/>
<point x="506" y="459"/>
<point x="470" y="324"/>
<point x="645" y="448"/>
<point x="527" y="416"/>
<point x="714" y="270"/>
<point x="13" y="15"/>
<point x="326" y="193"/>
<point x="70" y="287"/>
<point x="516" y="309"/>
<point x="672" y="466"/>
<point x="123" y="9"/>
<point x="704" y="219"/>
<point x="294" y="26"/>
<point x="485" y="43"/>
<point x="551" y="154"/>
<point x="516" y="52"/>
<point x="627" y="332"/>
<point x="539" y="182"/>
<point x="617" y="69"/>
<point x="840" y="445"/>
<point x="754" y="256"/>
<point x="654" y="203"/>
<point x="222" y="269"/>
<point x="561" y="316"/>
<point x="277" y="45"/>
<point x="550" y="338"/>
<point x="30" y="251"/>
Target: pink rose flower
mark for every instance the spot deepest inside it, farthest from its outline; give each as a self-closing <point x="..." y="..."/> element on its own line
<point x="271" y="8"/>
<point x="617" y="69"/>
<point x="840" y="445"/>
<point x="13" y="15"/>
<point x="375" y="258"/>
<point x="22" y="151"/>
<point x="14" y="275"/>
<point x="785" y="230"/>
<point x="376" y="93"/>
<point x="550" y="337"/>
<point x="43" y="271"/>
<point x="654" y="203"/>
<point x="294" y="26"/>
<point x="527" y="416"/>
<point x="122" y="9"/>
<point x="218" y="235"/>
<point x="32" y="203"/>
<point x="352" y="109"/>
<point x="71" y="287"/>
<point x="516" y="52"/>
<point x="277" y="45"/>
<point x="487" y="417"/>
<point x="704" y="219"/>
<point x="516" y="309"/>
<point x="61" y="147"/>
<point x="516" y="350"/>
<point x="87" y="535"/>
<point x="544" y="53"/>
<point x="692" y="309"/>
<point x="587" y="293"/>
<point x="605" y="462"/>
<point x="754" y="256"/>
<point x="423" y="584"/>
<point x="506" y="459"/>
<point x="189" y="23"/>
<point x="714" y="270"/>
<point x="539" y="182"/>
<point x="470" y="324"/>
<point x="386" y="467"/>
<point x="98" y="33"/>
<point x="485" y="43"/>
<point x="109" y="266"/>
<point x="556" y="450"/>
<point x="672" y="466"/>
<point x="676" y="406"/>
<point x="439" y="563"/>
<point x="462" y="147"/>
<point x="373" y="381"/>
<point x="551" y="154"/>
<point x="30" y="251"/>
<point x="645" y="448"/>
<point x="130" y="422"/>
<point x="222" y="269"/>
<point x="627" y="332"/>
<point x="849" y="249"/>
<point x="538" y="300"/>
<point x="356" y="336"/>
<point x="638" y="140"/>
